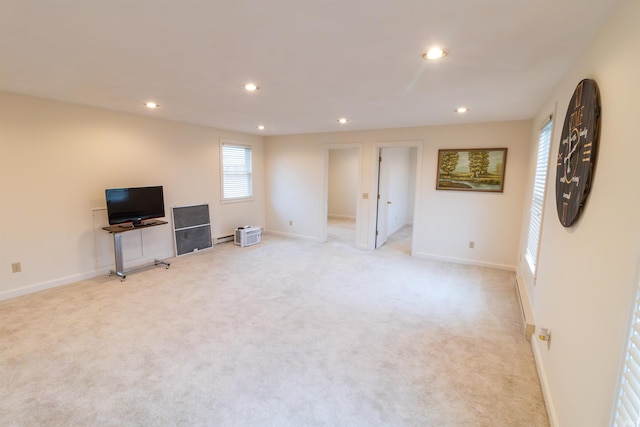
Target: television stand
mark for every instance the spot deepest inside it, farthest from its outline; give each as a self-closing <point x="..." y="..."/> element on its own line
<point x="117" y="231"/>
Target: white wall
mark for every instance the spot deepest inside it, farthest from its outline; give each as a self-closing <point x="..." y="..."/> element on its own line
<point x="343" y="182"/>
<point x="587" y="273"/>
<point x="56" y="160"/>
<point x="446" y="220"/>
<point x="400" y="189"/>
<point x="413" y="159"/>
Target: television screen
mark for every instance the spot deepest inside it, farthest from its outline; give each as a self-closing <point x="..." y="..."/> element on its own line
<point x="134" y="204"/>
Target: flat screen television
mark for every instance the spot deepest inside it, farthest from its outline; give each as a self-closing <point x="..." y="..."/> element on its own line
<point x="134" y="204"/>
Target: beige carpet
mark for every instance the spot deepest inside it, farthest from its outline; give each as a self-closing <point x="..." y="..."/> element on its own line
<point x="284" y="333"/>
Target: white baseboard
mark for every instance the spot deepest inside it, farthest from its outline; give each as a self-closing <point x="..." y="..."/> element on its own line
<point x="464" y="261"/>
<point x="293" y="236"/>
<point x="393" y="230"/>
<point x="338" y="216"/>
<point x="544" y="384"/>
<point x="73" y="278"/>
<point x="49" y="284"/>
<point x="362" y="246"/>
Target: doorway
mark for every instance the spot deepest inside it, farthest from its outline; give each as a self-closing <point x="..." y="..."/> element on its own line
<point x="396" y="190"/>
<point x="342" y="187"/>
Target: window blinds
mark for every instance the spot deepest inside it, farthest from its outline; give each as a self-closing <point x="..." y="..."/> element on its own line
<point x="628" y="405"/>
<point x="537" y="202"/>
<point x="236" y="172"/>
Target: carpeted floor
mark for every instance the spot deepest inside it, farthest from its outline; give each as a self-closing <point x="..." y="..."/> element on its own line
<point x="284" y="333"/>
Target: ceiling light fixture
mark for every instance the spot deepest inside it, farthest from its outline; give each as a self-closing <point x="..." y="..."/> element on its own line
<point x="261" y="127"/>
<point x="434" y="53"/>
<point x="343" y="120"/>
<point x="461" y="110"/>
<point x="250" y="87"/>
<point x="151" y="105"/>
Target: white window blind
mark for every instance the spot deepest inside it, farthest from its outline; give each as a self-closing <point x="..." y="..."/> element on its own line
<point x="236" y="172"/>
<point x="537" y="199"/>
<point x="627" y="411"/>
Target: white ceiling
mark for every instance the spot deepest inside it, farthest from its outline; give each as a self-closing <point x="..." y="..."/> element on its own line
<point x="314" y="60"/>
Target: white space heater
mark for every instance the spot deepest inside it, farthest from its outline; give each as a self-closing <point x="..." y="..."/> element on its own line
<point x="247" y="236"/>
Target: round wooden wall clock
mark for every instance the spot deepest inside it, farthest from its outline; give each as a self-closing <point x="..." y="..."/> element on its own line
<point x="577" y="151"/>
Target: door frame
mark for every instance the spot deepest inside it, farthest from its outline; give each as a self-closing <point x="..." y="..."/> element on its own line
<point x="324" y="233"/>
<point x="373" y="207"/>
<point x="378" y="199"/>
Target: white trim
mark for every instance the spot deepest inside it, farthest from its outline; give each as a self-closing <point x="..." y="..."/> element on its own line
<point x="49" y="284"/>
<point x="464" y="261"/>
<point x="74" y="278"/>
<point x="234" y="143"/>
<point x="544" y="384"/>
<point x="295" y="236"/>
<point x="530" y="258"/>
<point x="544" y="121"/>
<point x="237" y="200"/>
<point x="338" y="216"/>
<point x="373" y="193"/>
<point x="324" y="190"/>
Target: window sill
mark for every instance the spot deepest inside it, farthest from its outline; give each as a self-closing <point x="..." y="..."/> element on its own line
<point x="237" y="200"/>
<point x="532" y="266"/>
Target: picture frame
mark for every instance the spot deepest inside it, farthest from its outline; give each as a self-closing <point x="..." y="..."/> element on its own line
<point x="471" y="169"/>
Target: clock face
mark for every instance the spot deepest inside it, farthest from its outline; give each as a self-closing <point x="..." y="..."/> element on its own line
<point x="577" y="151"/>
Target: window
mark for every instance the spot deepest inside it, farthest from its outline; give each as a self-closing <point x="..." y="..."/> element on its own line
<point x="237" y="180"/>
<point x="627" y="410"/>
<point x="537" y="199"/>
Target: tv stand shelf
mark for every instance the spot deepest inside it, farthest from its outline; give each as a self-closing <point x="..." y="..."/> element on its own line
<point x="117" y="231"/>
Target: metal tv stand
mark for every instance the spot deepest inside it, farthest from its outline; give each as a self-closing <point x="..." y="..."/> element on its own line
<point x="117" y="231"/>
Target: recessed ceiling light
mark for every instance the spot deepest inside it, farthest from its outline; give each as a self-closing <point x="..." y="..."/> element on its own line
<point x="461" y="110"/>
<point x="434" y="53"/>
<point x="250" y="87"/>
<point x="151" y="105"/>
<point x="261" y="127"/>
<point x="343" y="120"/>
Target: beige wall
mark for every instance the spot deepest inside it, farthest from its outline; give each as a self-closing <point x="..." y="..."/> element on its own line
<point x="587" y="274"/>
<point x="444" y="221"/>
<point x="56" y="160"/>
<point x="343" y="183"/>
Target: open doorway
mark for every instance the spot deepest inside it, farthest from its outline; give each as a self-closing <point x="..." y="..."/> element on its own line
<point x="395" y="208"/>
<point x="342" y="189"/>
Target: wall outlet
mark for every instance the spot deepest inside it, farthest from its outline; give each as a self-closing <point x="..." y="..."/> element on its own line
<point x="472" y="244"/>
<point x="16" y="267"/>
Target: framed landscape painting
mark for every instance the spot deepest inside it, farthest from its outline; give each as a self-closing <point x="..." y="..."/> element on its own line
<point x="478" y="169"/>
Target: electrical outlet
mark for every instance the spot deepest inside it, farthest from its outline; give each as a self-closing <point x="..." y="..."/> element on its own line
<point x="16" y="267"/>
<point x="472" y="244"/>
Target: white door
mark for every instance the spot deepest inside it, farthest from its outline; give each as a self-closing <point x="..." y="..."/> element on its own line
<point x="383" y="202"/>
